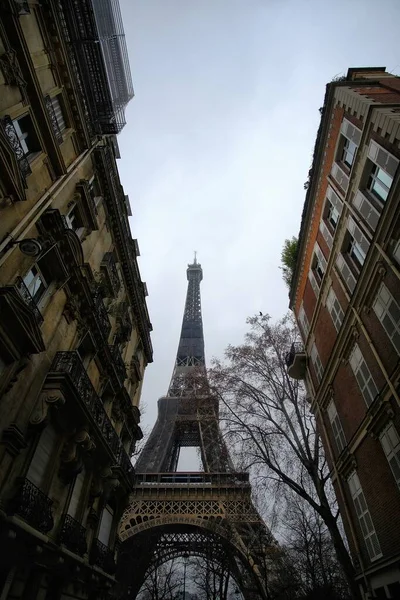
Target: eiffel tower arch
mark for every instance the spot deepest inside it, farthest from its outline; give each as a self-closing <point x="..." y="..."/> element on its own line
<point x="207" y="513"/>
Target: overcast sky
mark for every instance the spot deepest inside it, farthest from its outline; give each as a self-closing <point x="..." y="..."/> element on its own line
<point x="218" y="144"/>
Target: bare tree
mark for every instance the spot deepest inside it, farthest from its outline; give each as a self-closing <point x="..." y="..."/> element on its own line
<point x="310" y="548"/>
<point x="211" y="579"/>
<point x="269" y="427"/>
<point x="163" y="582"/>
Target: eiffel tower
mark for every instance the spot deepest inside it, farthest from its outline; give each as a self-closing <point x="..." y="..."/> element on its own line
<point x="207" y="513"/>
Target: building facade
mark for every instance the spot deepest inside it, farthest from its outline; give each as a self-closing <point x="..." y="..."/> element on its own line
<point x="345" y="294"/>
<point x="74" y="327"/>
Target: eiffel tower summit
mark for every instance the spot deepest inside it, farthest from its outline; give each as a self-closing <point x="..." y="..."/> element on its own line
<point x="207" y="513"/>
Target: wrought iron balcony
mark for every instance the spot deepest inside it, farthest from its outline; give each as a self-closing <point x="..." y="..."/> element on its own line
<point x="119" y="364"/>
<point x="73" y="535"/>
<point x="27" y="298"/>
<point x="11" y="134"/>
<point x="53" y="118"/>
<point x="33" y="506"/>
<point x="296" y="361"/>
<point x="109" y="268"/>
<point x="102" y="556"/>
<point x="124" y="461"/>
<point x="70" y="364"/>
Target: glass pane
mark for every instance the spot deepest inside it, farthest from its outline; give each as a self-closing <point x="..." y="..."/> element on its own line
<point x="379" y="190"/>
<point x="394" y="463"/>
<point x="384" y="177"/>
<point x="394" y="312"/>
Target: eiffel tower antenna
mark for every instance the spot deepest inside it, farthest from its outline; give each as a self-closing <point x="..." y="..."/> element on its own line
<point x="175" y="513"/>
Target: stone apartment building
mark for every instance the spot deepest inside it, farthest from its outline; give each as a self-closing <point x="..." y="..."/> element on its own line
<point x="345" y="294"/>
<point x="74" y="327"/>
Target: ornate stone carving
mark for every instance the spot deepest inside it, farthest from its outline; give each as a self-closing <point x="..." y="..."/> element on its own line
<point x="80" y="440"/>
<point x="47" y="400"/>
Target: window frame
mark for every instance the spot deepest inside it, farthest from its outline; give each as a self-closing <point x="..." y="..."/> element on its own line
<point x="335" y="309"/>
<point x="364" y="516"/>
<point x="317" y="363"/>
<point x="336" y="426"/>
<point x="390" y="441"/>
<point x="80" y="230"/>
<point x="386" y="314"/>
<point x="374" y="179"/>
<point x="29" y="154"/>
<point x="38" y="276"/>
<point x="362" y="372"/>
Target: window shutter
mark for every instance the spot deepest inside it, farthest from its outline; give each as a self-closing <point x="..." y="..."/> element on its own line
<point x="106" y="525"/>
<point x="346" y="273"/>
<point x="76" y="494"/>
<point x="382" y="158"/>
<point x="313" y="282"/>
<point x="366" y="210"/>
<point x="340" y="176"/>
<point x="326" y="234"/>
<point x="42" y="456"/>
<point x="351" y="132"/>
<point x="358" y="235"/>
<point x="303" y="320"/>
<point x="334" y="199"/>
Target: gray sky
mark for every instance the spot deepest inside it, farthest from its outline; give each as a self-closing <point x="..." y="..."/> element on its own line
<point x="218" y="144"/>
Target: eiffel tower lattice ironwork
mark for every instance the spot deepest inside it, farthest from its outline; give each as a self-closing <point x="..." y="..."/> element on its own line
<point x="208" y="513"/>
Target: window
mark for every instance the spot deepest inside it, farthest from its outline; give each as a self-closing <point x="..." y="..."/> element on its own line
<point x="74" y="220"/>
<point x="317" y="364"/>
<point x="318" y="265"/>
<point x="364" y="517"/>
<point x="337" y="428"/>
<point x="333" y="215"/>
<point x="86" y="349"/>
<point x="304" y="321"/>
<point x="390" y="441"/>
<point x="349" y="151"/>
<point x="95" y="192"/>
<point x="106" y="525"/>
<point x="356" y="252"/>
<point x="59" y="113"/>
<point x="36" y="283"/>
<point x="27" y="136"/>
<point x="363" y="375"/>
<point x="334" y="308"/>
<point x="76" y="497"/>
<point x="42" y="457"/>
<point x="384" y="166"/>
<point x="356" y="245"/>
<point x="379" y="183"/>
<point x="388" y="312"/>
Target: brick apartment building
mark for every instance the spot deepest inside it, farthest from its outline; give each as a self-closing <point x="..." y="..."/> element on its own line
<point x="345" y="293"/>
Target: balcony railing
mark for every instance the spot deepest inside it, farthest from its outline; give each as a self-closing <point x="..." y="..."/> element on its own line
<point x="27" y="298"/>
<point x="102" y="556"/>
<point x="53" y="118"/>
<point x="33" y="506"/>
<point x="119" y="364"/>
<point x="296" y="361"/>
<point x="108" y="264"/>
<point x="23" y="163"/>
<point x="73" y="535"/>
<point x="71" y="364"/>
